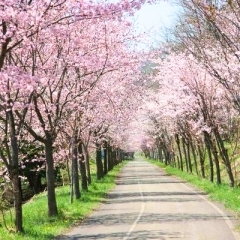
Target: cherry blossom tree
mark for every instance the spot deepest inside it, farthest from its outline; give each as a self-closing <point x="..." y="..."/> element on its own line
<point x="41" y="63"/>
<point x="211" y="38"/>
<point x="192" y="104"/>
<point x="14" y="101"/>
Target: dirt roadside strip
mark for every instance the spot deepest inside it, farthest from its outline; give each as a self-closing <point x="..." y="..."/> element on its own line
<point x="148" y="204"/>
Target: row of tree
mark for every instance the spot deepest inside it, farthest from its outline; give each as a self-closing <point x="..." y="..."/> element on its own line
<point x="194" y="108"/>
<point x="68" y="82"/>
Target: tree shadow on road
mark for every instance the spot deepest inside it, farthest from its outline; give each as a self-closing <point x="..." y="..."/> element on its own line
<point x="132" y="180"/>
<point x="122" y="195"/>
<point x="127" y="219"/>
<point x="136" y="235"/>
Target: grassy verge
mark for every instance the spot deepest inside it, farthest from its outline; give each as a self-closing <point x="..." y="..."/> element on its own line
<point x="230" y="197"/>
<point x="37" y="225"/>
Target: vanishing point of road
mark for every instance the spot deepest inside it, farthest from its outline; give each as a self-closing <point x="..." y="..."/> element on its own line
<point x="148" y="204"/>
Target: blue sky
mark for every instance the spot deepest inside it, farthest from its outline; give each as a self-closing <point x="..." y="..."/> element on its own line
<point x="156" y="18"/>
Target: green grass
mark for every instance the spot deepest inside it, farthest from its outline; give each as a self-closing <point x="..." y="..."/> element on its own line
<point x="37" y="225"/>
<point x="230" y="197"/>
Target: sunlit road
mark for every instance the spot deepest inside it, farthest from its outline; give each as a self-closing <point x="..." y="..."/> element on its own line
<point x="148" y="204"/>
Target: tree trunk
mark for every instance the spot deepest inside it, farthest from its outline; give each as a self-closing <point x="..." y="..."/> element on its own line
<point x="185" y="153"/>
<point x="16" y="183"/>
<point x="4" y="45"/>
<point x="14" y="174"/>
<point x="114" y="156"/>
<point x="179" y="150"/>
<point x="160" y="154"/>
<point x="207" y="140"/>
<point x="75" y="174"/>
<point x="201" y="158"/>
<point x="224" y="154"/>
<point x="166" y="157"/>
<point x="82" y="167"/>
<point x="87" y="163"/>
<point x="68" y="172"/>
<point x="105" y="161"/>
<point x="99" y="162"/>
<point x="52" y="204"/>
<point x="216" y="159"/>
<point x="110" y="161"/>
<point x="120" y="155"/>
<point x="194" y="158"/>
<point x="189" y="157"/>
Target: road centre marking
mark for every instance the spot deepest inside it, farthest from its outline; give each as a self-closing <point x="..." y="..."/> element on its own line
<point x="140" y="213"/>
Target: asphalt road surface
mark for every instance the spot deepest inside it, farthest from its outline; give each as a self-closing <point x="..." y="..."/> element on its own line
<point x="148" y="204"/>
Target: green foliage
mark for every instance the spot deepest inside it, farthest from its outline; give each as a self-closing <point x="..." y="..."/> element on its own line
<point x="37" y="224"/>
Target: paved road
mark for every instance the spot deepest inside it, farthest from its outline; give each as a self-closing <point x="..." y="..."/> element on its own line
<point x="148" y="204"/>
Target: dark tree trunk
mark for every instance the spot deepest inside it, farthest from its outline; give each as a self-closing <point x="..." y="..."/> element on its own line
<point x="216" y="161"/>
<point x="68" y="172"/>
<point x="160" y="155"/>
<point x="201" y="158"/>
<point x="110" y="161"/>
<point x="4" y="45"/>
<point x="82" y="167"/>
<point x="173" y="159"/>
<point x="207" y="140"/>
<point x="120" y="155"/>
<point x="75" y="174"/>
<point x="189" y="157"/>
<point x="225" y="157"/>
<point x="194" y="158"/>
<point x="185" y="153"/>
<point x="153" y="154"/>
<point x="99" y="162"/>
<point x="179" y="150"/>
<point x="14" y="174"/>
<point x="166" y="157"/>
<point x="105" y="161"/>
<point x="87" y="163"/>
<point x="114" y="156"/>
<point x="52" y="204"/>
